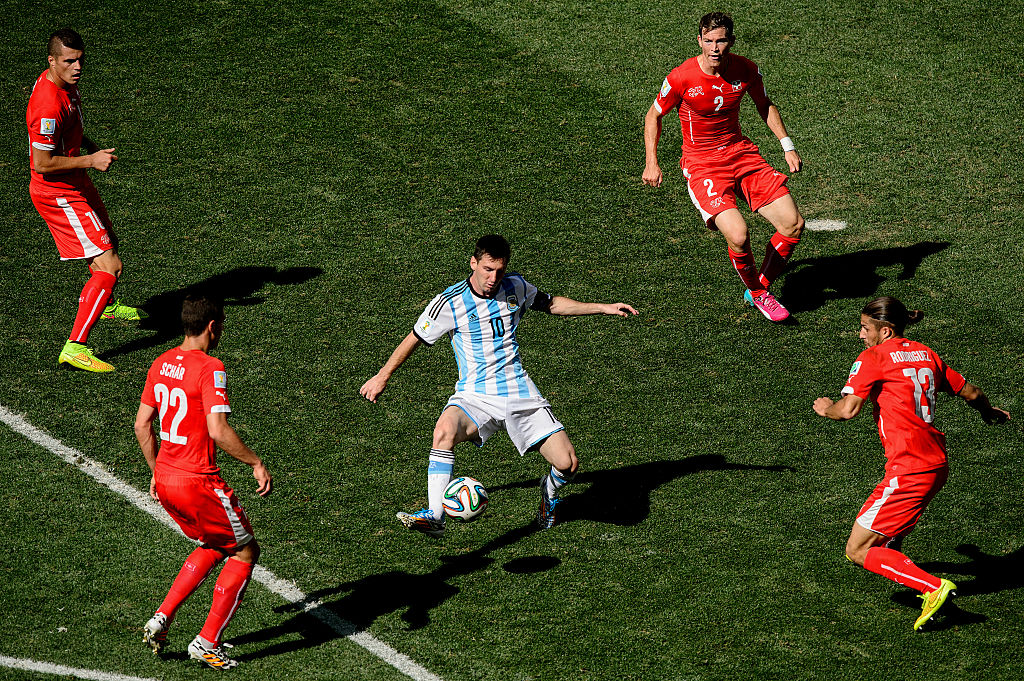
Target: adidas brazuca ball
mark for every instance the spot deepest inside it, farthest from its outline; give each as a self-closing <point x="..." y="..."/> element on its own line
<point x="465" y="499"/>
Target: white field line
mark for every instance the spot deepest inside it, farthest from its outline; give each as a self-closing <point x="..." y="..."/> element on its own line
<point x="61" y="670"/>
<point x="825" y="225"/>
<point x="287" y="590"/>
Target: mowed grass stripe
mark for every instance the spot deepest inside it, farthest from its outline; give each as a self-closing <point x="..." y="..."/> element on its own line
<point x="285" y="589"/>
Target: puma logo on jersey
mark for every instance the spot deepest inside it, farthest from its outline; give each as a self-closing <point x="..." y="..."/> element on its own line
<point x="719" y="88"/>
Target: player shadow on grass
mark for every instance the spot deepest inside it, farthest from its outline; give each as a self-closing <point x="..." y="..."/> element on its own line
<point x="812" y="282"/>
<point x="622" y="496"/>
<point x="236" y="287"/>
<point x="619" y="496"/>
<point x="372" y="597"/>
<point x="992" y="573"/>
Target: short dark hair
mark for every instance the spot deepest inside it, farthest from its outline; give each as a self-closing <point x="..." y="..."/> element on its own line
<point x="65" y="37"/>
<point x="713" y="20"/>
<point x="198" y="310"/>
<point x="891" y="312"/>
<point x="493" y="245"/>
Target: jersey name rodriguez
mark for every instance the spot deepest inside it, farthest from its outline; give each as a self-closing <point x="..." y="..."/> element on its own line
<point x="483" y="334"/>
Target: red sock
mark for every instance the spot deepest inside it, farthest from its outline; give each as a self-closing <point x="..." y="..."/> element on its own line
<point x="776" y="255"/>
<point x="197" y="566"/>
<point x="900" y="569"/>
<point x="95" y="296"/>
<point x="745" y="267"/>
<point x="227" y="596"/>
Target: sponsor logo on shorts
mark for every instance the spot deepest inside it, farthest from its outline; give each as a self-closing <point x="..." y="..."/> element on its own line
<point x="665" y="88"/>
<point x="47" y="126"/>
<point x="716" y="202"/>
<point x="220" y="379"/>
<point x="513" y="303"/>
<point x="695" y="91"/>
<point x="105" y="239"/>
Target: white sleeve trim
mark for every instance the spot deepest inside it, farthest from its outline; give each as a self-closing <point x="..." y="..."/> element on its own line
<point x="846" y="391"/>
<point x="44" y="147"/>
<point x="656" y="106"/>
<point x="220" y="409"/>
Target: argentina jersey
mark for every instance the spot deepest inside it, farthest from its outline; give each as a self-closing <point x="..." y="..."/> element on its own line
<point x="483" y="334"/>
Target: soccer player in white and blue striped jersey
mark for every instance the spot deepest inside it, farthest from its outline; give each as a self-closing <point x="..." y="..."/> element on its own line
<point x="480" y="315"/>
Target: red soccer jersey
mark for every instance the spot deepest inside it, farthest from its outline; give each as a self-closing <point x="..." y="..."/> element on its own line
<point x="709" y="106"/>
<point x="186" y="386"/>
<point x="55" y="124"/>
<point x="901" y="377"/>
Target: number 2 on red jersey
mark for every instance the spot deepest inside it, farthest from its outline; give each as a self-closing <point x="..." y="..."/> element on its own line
<point x="170" y="398"/>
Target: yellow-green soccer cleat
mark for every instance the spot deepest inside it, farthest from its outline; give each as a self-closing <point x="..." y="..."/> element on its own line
<point x="121" y="312"/>
<point x="81" y="357"/>
<point x="933" y="600"/>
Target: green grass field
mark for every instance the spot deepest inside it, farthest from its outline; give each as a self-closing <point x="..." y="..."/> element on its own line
<point x="329" y="166"/>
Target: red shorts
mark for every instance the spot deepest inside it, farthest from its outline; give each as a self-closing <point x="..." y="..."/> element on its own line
<point x="77" y="220"/>
<point x="898" y="501"/>
<point x="205" y="508"/>
<point x="714" y="178"/>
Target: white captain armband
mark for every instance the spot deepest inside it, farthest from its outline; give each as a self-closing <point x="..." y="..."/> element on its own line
<point x="787" y="143"/>
<point x="542" y="302"/>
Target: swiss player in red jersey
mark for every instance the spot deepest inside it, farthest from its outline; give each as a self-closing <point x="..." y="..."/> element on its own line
<point x="719" y="162"/>
<point x="901" y="377"/>
<point x="65" y="196"/>
<point x="188" y="389"/>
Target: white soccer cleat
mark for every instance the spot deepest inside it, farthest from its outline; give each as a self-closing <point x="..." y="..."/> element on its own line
<point x="154" y="634"/>
<point x="214" y="657"/>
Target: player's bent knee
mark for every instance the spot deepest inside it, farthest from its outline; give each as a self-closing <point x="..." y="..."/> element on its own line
<point x="797" y="228"/>
<point x="856" y="554"/>
<point x="444" y="435"/>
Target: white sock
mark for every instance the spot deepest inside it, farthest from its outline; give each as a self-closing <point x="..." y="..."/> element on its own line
<point x="554" y="482"/>
<point x="439" y="474"/>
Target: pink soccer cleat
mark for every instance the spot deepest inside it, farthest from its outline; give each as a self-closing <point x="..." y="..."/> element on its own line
<point x="768" y="305"/>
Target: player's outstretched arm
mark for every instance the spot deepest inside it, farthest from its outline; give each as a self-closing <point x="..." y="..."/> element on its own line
<point x="977" y="400"/>
<point x="561" y="305"/>
<point x="227" y="439"/>
<point x="843" y="410"/>
<point x="652" y="133"/>
<point x="147" y="442"/>
<point x="372" y="389"/>
<point x="46" y="162"/>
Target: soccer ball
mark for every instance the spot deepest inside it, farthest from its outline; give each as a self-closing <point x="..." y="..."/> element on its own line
<point x="465" y="499"/>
